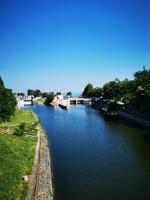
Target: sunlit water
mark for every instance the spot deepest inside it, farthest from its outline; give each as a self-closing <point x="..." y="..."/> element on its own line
<point x="95" y="159"/>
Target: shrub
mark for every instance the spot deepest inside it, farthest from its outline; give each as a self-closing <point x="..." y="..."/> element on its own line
<point x="112" y="105"/>
<point x="20" y="130"/>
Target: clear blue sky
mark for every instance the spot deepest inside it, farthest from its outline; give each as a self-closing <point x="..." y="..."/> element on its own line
<point x="61" y="45"/>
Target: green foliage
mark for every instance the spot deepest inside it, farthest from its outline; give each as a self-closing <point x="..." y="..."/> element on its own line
<point x="17" y="154"/>
<point x="44" y="94"/>
<point x="142" y="82"/>
<point x="134" y="93"/>
<point x="1" y="84"/>
<point x="128" y="98"/>
<point x="69" y="93"/>
<point x="58" y="93"/>
<point x="7" y="102"/>
<point x="20" y="116"/>
<point x="88" y="90"/>
<point x="26" y="128"/>
<point x="20" y="130"/>
<point x="111" y="89"/>
<point x="31" y="92"/>
<point x="112" y="105"/>
<point x="142" y="77"/>
<point x="142" y="93"/>
<point x="37" y="93"/>
<point x="97" y="92"/>
<point x="21" y="94"/>
<point x="21" y="123"/>
<point x="49" y="98"/>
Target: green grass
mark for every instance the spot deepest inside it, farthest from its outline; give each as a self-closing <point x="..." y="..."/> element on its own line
<point x="16" y="159"/>
<point x="19" y="117"/>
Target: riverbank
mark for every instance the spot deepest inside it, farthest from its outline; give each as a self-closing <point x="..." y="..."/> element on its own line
<point x="40" y="185"/>
<point x="17" y="155"/>
<point x="25" y="167"/>
<point x="133" y="119"/>
<point x="123" y="116"/>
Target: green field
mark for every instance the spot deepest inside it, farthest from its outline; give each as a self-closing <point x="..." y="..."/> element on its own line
<point x="19" y="117"/>
<point x="16" y="158"/>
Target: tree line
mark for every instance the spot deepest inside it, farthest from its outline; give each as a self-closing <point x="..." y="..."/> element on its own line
<point x="135" y="94"/>
<point x="48" y="95"/>
<point x="35" y="93"/>
<point x="38" y="93"/>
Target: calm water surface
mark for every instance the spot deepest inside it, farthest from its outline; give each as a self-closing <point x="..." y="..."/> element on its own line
<point x="95" y="159"/>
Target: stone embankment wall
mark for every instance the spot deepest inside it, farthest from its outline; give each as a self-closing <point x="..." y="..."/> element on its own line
<point x="134" y="119"/>
<point x="40" y="183"/>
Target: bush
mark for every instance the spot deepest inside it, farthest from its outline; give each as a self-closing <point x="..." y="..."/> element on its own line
<point x="20" y="130"/>
<point x="26" y="128"/>
<point x="112" y="105"/>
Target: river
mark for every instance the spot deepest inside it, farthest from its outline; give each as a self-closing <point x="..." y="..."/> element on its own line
<point x="93" y="158"/>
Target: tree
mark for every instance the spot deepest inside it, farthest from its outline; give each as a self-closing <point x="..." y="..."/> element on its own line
<point x="37" y="93"/>
<point x="88" y="90"/>
<point x="69" y="94"/>
<point x="58" y="93"/>
<point x="1" y="84"/>
<point x="126" y="91"/>
<point x="31" y="92"/>
<point x="7" y="102"/>
<point x="97" y="92"/>
<point x="44" y="94"/>
<point x="142" y="92"/>
<point x="111" y="89"/>
<point x="49" y="98"/>
<point x="21" y="94"/>
<point x="142" y="81"/>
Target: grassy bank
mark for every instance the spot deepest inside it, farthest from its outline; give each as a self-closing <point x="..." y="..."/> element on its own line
<point x="19" y="117"/>
<point x="16" y="158"/>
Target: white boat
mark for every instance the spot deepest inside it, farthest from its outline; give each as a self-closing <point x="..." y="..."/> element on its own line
<point x="64" y="103"/>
